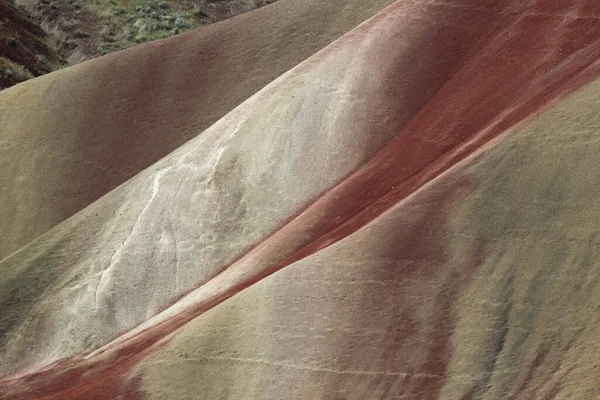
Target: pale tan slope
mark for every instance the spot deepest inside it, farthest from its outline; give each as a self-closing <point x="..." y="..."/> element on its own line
<point x="482" y="285"/>
<point x="177" y="224"/>
<point x="307" y="161"/>
<point x="70" y="137"/>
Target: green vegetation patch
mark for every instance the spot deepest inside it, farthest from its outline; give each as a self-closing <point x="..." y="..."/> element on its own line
<point x="13" y="72"/>
<point x="131" y="23"/>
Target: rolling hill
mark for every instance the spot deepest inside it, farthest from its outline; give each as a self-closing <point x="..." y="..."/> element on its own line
<point x="316" y="200"/>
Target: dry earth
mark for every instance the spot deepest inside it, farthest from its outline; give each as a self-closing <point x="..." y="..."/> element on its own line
<point x="261" y="211"/>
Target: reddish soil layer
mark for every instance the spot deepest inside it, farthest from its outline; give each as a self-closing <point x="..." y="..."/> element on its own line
<point x="514" y="65"/>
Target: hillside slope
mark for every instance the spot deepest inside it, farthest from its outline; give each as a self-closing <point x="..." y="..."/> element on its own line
<point x="24" y="51"/>
<point x="95" y="125"/>
<point x="87" y="29"/>
<point x="411" y="212"/>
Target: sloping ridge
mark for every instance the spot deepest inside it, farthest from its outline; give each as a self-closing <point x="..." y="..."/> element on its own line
<point x="93" y="126"/>
<point x="393" y="152"/>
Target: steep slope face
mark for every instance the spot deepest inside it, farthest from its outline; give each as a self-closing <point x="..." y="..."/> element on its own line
<point x="482" y="284"/>
<point x="370" y="225"/>
<point x="87" y="129"/>
<point x="24" y="52"/>
<point x="231" y="200"/>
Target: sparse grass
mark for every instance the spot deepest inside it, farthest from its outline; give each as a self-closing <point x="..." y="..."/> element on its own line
<point x="13" y="72"/>
<point x="130" y="22"/>
<point x="42" y="62"/>
<point x="84" y="29"/>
